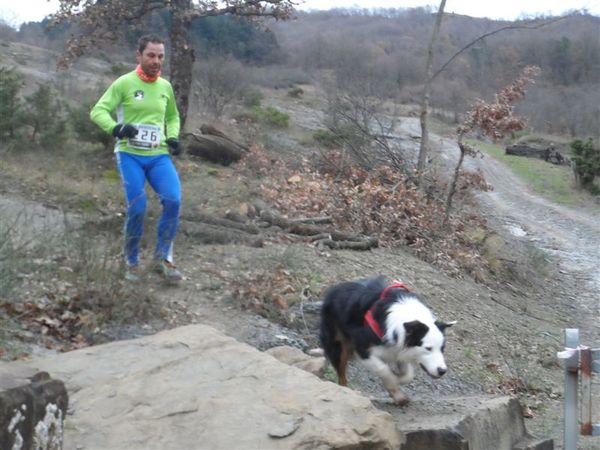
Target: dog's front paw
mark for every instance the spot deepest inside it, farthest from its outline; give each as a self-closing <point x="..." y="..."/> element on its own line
<point x="399" y="398"/>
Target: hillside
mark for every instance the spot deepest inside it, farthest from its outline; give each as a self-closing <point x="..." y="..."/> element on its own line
<point x="389" y="48"/>
<point x="64" y="212"/>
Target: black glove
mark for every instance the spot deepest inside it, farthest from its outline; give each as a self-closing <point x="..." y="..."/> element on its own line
<point x="175" y="148"/>
<point x="124" y="131"/>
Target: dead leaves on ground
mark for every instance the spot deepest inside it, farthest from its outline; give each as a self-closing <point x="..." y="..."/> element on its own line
<point x="58" y="327"/>
<point x="381" y="203"/>
<point x="268" y="293"/>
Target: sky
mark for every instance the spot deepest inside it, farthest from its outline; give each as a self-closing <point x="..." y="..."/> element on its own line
<point x="15" y="12"/>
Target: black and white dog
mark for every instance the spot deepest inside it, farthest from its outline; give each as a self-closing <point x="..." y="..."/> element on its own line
<point x="387" y="326"/>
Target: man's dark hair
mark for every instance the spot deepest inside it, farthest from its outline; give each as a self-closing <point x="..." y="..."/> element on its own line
<point x="144" y="40"/>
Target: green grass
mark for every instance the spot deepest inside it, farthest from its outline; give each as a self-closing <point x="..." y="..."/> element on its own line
<point x="548" y="180"/>
<point x="330" y="374"/>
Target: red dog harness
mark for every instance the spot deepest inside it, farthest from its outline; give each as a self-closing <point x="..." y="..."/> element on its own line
<point x="369" y="319"/>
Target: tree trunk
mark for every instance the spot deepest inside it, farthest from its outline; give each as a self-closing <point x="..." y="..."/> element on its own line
<point x="452" y="190"/>
<point x="182" y="56"/>
<point x="424" y="147"/>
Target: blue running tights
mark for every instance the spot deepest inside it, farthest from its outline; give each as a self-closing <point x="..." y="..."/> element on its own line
<point x="162" y="177"/>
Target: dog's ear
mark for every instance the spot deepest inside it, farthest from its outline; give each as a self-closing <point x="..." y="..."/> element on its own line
<point x="415" y="331"/>
<point x="443" y="325"/>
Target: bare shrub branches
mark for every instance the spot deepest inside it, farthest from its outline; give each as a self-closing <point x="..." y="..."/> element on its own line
<point x="381" y="203"/>
<point x="494" y="120"/>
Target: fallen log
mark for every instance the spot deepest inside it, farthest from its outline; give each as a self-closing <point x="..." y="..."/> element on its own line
<point x="548" y="154"/>
<point x="525" y="150"/>
<point x="213" y="148"/>
<point x="274" y="219"/>
<point x="212" y="131"/>
<point x="221" y="222"/>
<point x="312" y="220"/>
<point x="211" y="234"/>
<point x="320" y="235"/>
<point x="366" y="244"/>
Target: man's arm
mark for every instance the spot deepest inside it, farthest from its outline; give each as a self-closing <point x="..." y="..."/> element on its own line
<point x="101" y="112"/>
<point x="172" y="123"/>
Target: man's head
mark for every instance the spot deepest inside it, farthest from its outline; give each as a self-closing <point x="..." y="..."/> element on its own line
<point x="150" y="54"/>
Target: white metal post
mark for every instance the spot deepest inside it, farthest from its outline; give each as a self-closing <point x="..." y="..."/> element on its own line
<point x="571" y="382"/>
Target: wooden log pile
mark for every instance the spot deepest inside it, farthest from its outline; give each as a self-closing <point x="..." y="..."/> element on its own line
<point x="549" y="153"/>
<point x="235" y="228"/>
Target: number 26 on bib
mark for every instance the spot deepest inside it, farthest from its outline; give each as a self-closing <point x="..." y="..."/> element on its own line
<point x="148" y="137"/>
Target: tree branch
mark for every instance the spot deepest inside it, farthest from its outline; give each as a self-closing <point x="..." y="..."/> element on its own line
<point x="491" y="33"/>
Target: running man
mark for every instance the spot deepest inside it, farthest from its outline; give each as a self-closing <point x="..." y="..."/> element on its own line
<point x="147" y="130"/>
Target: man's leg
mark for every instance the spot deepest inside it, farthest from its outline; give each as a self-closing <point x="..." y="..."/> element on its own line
<point x="133" y="179"/>
<point x="163" y="178"/>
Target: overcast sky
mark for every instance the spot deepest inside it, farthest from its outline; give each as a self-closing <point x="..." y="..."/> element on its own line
<point x="16" y="12"/>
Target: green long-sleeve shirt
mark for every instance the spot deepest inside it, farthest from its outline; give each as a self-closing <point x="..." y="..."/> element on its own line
<point x="149" y="106"/>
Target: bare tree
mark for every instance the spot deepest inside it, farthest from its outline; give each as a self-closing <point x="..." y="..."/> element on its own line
<point x="491" y="119"/>
<point x="100" y="22"/>
<point x="364" y="131"/>
<point x="429" y="78"/>
<point x="220" y="82"/>
<point x="423" y="150"/>
<point x="358" y="96"/>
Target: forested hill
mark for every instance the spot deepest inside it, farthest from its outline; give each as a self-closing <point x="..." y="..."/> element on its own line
<point x="393" y="45"/>
<point x="387" y="50"/>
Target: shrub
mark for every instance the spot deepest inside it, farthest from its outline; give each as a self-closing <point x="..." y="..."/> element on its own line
<point x="44" y="115"/>
<point x="84" y="128"/>
<point x="221" y="82"/>
<point x="296" y="92"/>
<point x="267" y="116"/>
<point x="326" y="138"/>
<point x="273" y="117"/>
<point x="587" y="164"/>
<point x="10" y="103"/>
<point x="11" y="254"/>
<point x="252" y="98"/>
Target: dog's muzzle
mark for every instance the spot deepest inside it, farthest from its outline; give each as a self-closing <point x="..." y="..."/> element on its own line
<point x="440" y="371"/>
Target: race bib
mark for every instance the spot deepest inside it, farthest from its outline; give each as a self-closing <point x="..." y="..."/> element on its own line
<point x="148" y="137"/>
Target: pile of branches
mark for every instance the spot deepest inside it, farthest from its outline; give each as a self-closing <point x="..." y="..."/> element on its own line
<point x="381" y="203"/>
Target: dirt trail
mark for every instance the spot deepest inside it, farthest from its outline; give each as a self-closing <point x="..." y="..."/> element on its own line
<point x="571" y="235"/>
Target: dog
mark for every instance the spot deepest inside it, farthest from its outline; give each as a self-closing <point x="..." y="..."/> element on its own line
<point x="387" y="327"/>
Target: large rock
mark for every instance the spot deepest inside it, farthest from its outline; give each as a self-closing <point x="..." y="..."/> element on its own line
<point x="297" y="358"/>
<point x="193" y="388"/>
<point x="470" y="423"/>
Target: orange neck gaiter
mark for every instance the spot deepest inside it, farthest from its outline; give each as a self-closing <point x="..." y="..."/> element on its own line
<point x="144" y="76"/>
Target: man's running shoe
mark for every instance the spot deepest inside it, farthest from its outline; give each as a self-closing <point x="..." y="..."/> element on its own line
<point x="133" y="273"/>
<point x="168" y="270"/>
